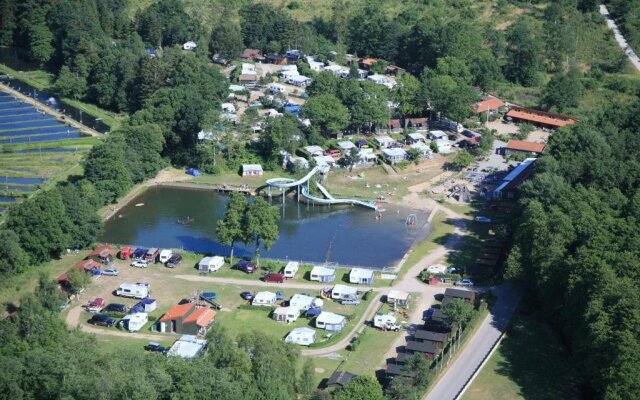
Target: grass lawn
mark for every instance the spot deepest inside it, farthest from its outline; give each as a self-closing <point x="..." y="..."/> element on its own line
<point x="529" y="364"/>
<point x="110" y="118"/>
<point x="440" y="229"/>
<point x="370" y="352"/>
<point x="108" y="344"/>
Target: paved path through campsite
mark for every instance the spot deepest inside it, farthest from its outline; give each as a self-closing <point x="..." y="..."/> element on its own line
<point x="461" y="372"/>
<point x="622" y="42"/>
<point x="61" y="117"/>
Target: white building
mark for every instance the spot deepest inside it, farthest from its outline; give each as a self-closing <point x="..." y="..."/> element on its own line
<point x="346" y="146"/>
<point x="384" y="141"/>
<point x="135" y="322"/>
<point x="301" y="301"/>
<point x="264" y="299"/>
<point x="437" y="135"/>
<point x="324" y="161"/>
<point x="361" y="276"/>
<point x="367" y="156"/>
<point x="291" y="269"/>
<point x="190" y="45"/>
<point x="228" y="107"/>
<point x="302" y="336"/>
<point x="444" y="146"/>
<point x="398" y="298"/>
<point x="382" y="80"/>
<point x="314" y="150"/>
<point x="276" y="88"/>
<point x="341" y="292"/>
<point x="252" y="170"/>
<point x="248" y="69"/>
<point x="330" y="321"/>
<point x="394" y="156"/>
<point x="314" y="65"/>
<point x="423" y="148"/>
<point x="300" y="80"/>
<point x="210" y="264"/>
<point x="188" y="346"/>
<point x="416" y="138"/>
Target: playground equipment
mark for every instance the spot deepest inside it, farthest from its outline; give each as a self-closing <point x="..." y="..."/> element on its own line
<point x="302" y="188"/>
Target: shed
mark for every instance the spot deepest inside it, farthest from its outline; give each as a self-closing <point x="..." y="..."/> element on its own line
<point x="523" y="147"/>
<point x="468" y="296"/>
<point x="249" y="54"/>
<point x="394" y="155"/>
<point x="302" y="336"/>
<point x="361" y="276"/>
<point x="438" y="338"/>
<point x="394" y="126"/>
<point x="193" y="171"/>
<point x="291" y="269"/>
<point x="87" y="265"/>
<point x="330" y="321"/>
<point x="301" y="301"/>
<point x="323" y="274"/>
<point x="264" y="299"/>
<point x="145" y="305"/>
<point x="340" y="378"/>
<point x="428" y="348"/>
<point x="384" y="141"/>
<point x="398" y="298"/>
<point x="252" y="170"/>
<point x="210" y="264"/>
<point x="341" y="292"/>
<point x="419" y="124"/>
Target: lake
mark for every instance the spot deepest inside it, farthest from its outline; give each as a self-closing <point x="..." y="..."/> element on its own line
<point x="316" y="234"/>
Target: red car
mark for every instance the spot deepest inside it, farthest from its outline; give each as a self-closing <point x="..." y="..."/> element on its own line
<point x="273" y="277"/>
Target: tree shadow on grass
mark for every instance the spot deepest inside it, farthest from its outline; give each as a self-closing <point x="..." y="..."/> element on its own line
<point x="536" y="361"/>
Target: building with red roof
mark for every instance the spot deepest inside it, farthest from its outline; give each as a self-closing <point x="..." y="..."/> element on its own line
<point x="523" y="147"/>
<point x="187" y="319"/>
<point x="489" y="104"/>
<point x="103" y="254"/>
<point x="539" y="118"/>
<point x="87" y="265"/>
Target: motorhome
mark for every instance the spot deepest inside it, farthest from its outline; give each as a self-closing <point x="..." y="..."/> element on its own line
<point x="135" y="290"/>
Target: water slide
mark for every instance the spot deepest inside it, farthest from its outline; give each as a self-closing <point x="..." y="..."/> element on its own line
<point x="303" y="183"/>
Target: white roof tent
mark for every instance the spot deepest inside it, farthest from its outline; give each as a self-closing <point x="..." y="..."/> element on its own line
<point x="346" y="145"/>
<point x="188" y="346"/>
<point x="384" y="141"/>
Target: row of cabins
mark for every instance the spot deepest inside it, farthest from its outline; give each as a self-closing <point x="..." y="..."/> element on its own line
<point x="430" y="340"/>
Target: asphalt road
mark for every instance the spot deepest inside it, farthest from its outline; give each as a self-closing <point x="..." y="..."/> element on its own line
<point x="622" y="42"/>
<point x="466" y="362"/>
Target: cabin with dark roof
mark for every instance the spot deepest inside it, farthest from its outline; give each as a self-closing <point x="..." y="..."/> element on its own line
<point x="468" y="296"/>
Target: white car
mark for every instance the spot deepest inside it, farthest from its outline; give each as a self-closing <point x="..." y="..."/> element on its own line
<point x="483" y="219"/>
<point x="437" y="269"/>
<point x="110" y="272"/>
<point x="139" y="264"/>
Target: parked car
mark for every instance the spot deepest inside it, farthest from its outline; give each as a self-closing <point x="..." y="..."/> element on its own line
<point x="139" y="264"/>
<point x="102" y="320"/>
<point x="174" y="260"/>
<point x="152" y="254"/>
<point x="115" y="307"/>
<point x="464" y="282"/>
<point x="95" y="305"/>
<point x="247" y="266"/>
<point x="247" y="296"/>
<point x="153" y="346"/>
<point x="350" y="302"/>
<point x="483" y="219"/>
<point x="279" y="295"/>
<point x="111" y="272"/>
<point x="139" y="253"/>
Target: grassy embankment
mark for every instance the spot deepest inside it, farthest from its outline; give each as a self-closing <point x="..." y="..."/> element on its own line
<point x="543" y="371"/>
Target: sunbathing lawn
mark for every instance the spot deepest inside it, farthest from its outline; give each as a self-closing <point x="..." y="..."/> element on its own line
<point x="529" y="364"/>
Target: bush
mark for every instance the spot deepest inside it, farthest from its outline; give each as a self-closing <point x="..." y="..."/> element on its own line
<point x="367" y="295"/>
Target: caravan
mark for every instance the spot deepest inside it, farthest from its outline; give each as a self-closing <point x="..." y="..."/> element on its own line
<point x="134" y="322"/>
<point x="135" y="290"/>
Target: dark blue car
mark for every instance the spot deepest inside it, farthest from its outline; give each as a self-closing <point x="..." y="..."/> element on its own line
<point x="139" y="253"/>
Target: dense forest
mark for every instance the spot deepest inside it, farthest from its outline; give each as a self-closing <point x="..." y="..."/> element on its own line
<point x="575" y="241"/>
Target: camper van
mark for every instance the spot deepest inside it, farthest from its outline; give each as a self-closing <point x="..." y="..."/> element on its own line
<point x="134" y="290"/>
<point x="165" y="255"/>
<point x="386" y="322"/>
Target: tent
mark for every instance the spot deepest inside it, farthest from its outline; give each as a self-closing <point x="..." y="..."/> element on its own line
<point x="193" y="171"/>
